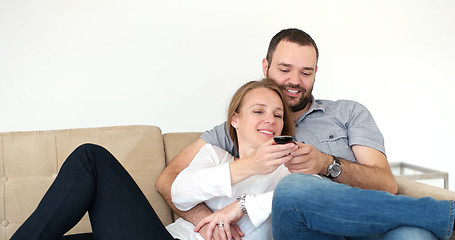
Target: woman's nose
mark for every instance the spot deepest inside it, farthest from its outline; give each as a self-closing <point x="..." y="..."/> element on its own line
<point x="269" y="119"/>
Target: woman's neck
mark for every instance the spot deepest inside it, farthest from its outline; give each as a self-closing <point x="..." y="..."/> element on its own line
<point x="245" y="149"/>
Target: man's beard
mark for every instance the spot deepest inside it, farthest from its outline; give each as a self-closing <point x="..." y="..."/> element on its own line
<point x="303" y="102"/>
<point x="306" y="98"/>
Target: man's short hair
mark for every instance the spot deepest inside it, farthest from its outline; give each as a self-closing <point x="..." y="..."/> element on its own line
<point x="293" y="35"/>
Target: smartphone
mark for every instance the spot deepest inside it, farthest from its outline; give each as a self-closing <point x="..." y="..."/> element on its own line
<point x="283" y="139"/>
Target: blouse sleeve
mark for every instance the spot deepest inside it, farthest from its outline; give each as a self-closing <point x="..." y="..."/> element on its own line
<point x="259" y="207"/>
<point x="207" y="176"/>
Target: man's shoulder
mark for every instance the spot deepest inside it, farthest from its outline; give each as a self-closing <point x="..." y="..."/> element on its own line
<point x="325" y="102"/>
<point x="339" y="105"/>
<point x="219" y="136"/>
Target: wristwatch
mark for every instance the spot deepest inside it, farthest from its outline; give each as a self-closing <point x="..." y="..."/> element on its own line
<point x="334" y="169"/>
<point x="241" y="201"/>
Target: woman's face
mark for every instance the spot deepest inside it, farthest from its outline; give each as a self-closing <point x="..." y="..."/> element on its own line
<point x="260" y="118"/>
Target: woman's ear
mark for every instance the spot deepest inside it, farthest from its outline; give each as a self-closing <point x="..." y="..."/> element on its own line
<point x="234" y="120"/>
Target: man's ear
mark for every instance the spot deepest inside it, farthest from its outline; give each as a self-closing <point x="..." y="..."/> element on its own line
<point x="265" y="67"/>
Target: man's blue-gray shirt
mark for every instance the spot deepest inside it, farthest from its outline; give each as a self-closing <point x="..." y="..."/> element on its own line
<point x="331" y="126"/>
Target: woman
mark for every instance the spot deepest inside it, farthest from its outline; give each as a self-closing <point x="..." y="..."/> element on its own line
<point x="92" y="180"/>
<point x="256" y="114"/>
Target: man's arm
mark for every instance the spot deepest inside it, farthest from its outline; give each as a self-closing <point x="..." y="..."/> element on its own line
<point x="371" y="172"/>
<point x="167" y="177"/>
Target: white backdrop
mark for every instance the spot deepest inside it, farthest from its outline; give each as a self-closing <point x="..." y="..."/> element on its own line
<point x="175" y="64"/>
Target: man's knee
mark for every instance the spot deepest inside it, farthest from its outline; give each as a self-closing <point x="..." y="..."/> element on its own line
<point x="409" y="232"/>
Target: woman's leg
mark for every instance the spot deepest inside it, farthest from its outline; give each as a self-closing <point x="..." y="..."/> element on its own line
<point x="81" y="236"/>
<point x="92" y="180"/>
<point x="305" y="206"/>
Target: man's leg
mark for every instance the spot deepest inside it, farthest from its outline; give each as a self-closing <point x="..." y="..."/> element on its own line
<point x="91" y="179"/>
<point x="400" y="233"/>
<point x="305" y="205"/>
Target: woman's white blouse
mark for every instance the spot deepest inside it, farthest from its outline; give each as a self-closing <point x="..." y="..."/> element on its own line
<point x="207" y="179"/>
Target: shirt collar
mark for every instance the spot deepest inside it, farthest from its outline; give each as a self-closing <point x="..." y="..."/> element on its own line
<point x="315" y="106"/>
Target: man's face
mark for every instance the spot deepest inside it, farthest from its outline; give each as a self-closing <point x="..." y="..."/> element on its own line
<point x="293" y="67"/>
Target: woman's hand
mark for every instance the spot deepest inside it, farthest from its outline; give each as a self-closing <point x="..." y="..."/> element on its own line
<point x="266" y="159"/>
<point x="228" y="216"/>
<point x="215" y="233"/>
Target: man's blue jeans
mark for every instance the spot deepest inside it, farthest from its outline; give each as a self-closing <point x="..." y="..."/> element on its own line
<point x="92" y="180"/>
<point x="309" y="207"/>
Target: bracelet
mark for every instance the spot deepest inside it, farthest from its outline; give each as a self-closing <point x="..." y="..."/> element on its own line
<point x="241" y="201"/>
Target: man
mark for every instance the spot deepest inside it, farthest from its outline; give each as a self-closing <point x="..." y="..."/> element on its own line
<point x="337" y="139"/>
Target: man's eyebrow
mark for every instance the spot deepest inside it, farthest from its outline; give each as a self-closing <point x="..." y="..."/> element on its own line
<point x="290" y="65"/>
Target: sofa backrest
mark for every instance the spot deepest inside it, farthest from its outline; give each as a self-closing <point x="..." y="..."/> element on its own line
<point x="176" y="142"/>
<point x="29" y="162"/>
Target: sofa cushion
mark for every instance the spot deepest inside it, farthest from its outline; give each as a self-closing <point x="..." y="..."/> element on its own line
<point x="174" y="143"/>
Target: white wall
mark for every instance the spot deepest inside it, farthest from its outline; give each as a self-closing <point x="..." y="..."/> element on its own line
<point x="175" y="64"/>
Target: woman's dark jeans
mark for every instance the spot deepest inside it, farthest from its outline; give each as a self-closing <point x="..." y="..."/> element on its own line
<point x="92" y="180"/>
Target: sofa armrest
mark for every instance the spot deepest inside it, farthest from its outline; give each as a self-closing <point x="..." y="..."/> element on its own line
<point x="416" y="189"/>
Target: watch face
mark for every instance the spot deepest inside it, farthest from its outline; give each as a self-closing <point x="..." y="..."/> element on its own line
<point x="334" y="170"/>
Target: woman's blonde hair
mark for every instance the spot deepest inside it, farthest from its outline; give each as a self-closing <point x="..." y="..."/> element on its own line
<point x="237" y="99"/>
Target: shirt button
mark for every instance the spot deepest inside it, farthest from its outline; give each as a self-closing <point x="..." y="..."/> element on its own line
<point x="4" y="178"/>
<point x="331" y="136"/>
<point x="5" y="223"/>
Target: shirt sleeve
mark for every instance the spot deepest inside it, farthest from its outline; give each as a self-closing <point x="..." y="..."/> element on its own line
<point x="362" y="129"/>
<point x="219" y="136"/>
<point x="207" y="176"/>
<point x="259" y="207"/>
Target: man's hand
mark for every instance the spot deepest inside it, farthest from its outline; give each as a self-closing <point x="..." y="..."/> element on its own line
<point x="371" y="171"/>
<point x="308" y="160"/>
<point x="228" y="216"/>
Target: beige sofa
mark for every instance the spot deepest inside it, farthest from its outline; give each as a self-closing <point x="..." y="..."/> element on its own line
<point x="29" y="162"/>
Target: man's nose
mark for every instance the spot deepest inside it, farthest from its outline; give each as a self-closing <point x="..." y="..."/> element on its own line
<point x="294" y="78"/>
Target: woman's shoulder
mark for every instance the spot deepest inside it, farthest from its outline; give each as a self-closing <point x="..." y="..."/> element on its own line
<point x="216" y="153"/>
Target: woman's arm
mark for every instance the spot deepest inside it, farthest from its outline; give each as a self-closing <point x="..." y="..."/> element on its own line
<point x="259" y="207"/>
<point x="213" y="171"/>
<point x="207" y="176"/>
